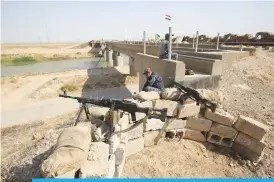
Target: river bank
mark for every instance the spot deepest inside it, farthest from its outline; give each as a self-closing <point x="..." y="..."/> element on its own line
<point x="22" y="54"/>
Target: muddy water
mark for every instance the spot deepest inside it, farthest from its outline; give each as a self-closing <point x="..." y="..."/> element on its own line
<point x="53" y="66"/>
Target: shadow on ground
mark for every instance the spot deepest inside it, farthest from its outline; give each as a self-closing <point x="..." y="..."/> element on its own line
<point x="28" y="171"/>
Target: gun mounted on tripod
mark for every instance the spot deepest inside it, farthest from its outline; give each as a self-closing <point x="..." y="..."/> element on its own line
<point x="114" y="104"/>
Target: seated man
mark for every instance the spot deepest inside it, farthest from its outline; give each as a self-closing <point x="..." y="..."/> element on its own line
<point x="163" y="49"/>
<point x="154" y="82"/>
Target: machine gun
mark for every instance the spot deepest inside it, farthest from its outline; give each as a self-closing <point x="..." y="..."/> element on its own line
<point x="194" y="95"/>
<point x="113" y="104"/>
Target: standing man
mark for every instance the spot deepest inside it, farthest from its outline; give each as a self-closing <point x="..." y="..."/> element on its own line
<point x="163" y="49"/>
<point x="154" y="81"/>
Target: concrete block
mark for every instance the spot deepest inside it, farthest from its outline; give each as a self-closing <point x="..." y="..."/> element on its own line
<point x="251" y="127"/>
<point x="67" y="175"/>
<point x="98" y="151"/>
<point x="250" y="143"/>
<point x="111" y="166"/>
<point x="124" y="121"/>
<point x="170" y="134"/>
<point x="200" y="124"/>
<point x="152" y="138"/>
<point x="97" y="161"/>
<point x="119" y="170"/>
<point x="220" y="116"/>
<point x="249" y="154"/>
<point x="218" y="139"/>
<point x="120" y="154"/>
<point x="94" y="169"/>
<point x="170" y="105"/>
<point x="134" y="146"/>
<point x="114" y="142"/>
<point x="193" y="135"/>
<point x="188" y="110"/>
<point x="225" y="131"/>
<point x="100" y="132"/>
<point x="135" y="132"/>
<point x="153" y="124"/>
<point x="175" y="124"/>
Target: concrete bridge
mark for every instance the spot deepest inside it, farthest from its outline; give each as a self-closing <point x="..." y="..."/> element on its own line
<point x="206" y="62"/>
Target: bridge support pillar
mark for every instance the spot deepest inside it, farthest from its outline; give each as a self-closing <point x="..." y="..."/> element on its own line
<point x="132" y="70"/>
<point x="119" y="61"/>
<point x="109" y="54"/>
<point x="115" y="55"/>
<point x="105" y="54"/>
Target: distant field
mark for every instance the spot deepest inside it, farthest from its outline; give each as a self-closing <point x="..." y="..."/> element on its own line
<point x="37" y="45"/>
<point x="20" y="54"/>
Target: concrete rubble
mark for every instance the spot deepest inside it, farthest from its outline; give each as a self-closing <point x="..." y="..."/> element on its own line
<point x="106" y="157"/>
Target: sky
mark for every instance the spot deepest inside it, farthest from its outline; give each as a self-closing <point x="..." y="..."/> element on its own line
<point x="81" y="21"/>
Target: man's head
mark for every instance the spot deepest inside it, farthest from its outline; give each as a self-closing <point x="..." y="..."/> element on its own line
<point x="167" y="36"/>
<point x="147" y="72"/>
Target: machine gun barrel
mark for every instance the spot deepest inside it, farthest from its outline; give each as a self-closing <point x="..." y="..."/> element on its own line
<point x="127" y="106"/>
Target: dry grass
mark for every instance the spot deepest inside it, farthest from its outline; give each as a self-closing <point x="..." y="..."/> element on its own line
<point x="69" y="87"/>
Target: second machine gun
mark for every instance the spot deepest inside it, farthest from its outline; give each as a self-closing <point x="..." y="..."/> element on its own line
<point x="194" y="95"/>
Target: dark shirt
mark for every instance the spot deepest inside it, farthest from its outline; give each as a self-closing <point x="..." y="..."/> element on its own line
<point x="155" y="81"/>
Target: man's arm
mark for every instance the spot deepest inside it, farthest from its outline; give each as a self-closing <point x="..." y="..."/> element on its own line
<point x="151" y="81"/>
<point x="144" y="86"/>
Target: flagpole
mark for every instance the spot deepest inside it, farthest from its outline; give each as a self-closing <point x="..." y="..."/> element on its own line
<point x="170" y="44"/>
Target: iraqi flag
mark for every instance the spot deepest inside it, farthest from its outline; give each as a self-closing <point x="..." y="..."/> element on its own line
<point x="167" y="17"/>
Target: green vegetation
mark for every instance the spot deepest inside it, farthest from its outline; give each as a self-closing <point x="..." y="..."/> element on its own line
<point x="13" y="79"/>
<point x="16" y="60"/>
<point x="9" y="60"/>
<point x="69" y="87"/>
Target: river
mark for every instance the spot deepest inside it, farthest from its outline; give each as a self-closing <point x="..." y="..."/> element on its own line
<point x="53" y="66"/>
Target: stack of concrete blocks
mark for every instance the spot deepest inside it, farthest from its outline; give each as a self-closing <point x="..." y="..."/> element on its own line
<point x="245" y="135"/>
<point x="188" y="121"/>
<point x="250" y="140"/>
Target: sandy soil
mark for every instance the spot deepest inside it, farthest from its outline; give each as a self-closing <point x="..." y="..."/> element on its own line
<point x="248" y="88"/>
<point x="48" y="85"/>
<point x="47" y="50"/>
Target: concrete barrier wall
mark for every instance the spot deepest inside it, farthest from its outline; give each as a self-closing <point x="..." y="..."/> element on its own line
<point x="252" y="51"/>
<point x="232" y="55"/>
<point x="203" y="65"/>
<point x="164" y="68"/>
<point x="226" y="56"/>
<point x="199" y="54"/>
<point x="204" y="46"/>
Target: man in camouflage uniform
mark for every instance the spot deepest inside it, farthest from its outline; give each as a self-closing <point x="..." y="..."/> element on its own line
<point x="163" y="49"/>
<point x="154" y="81"/>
